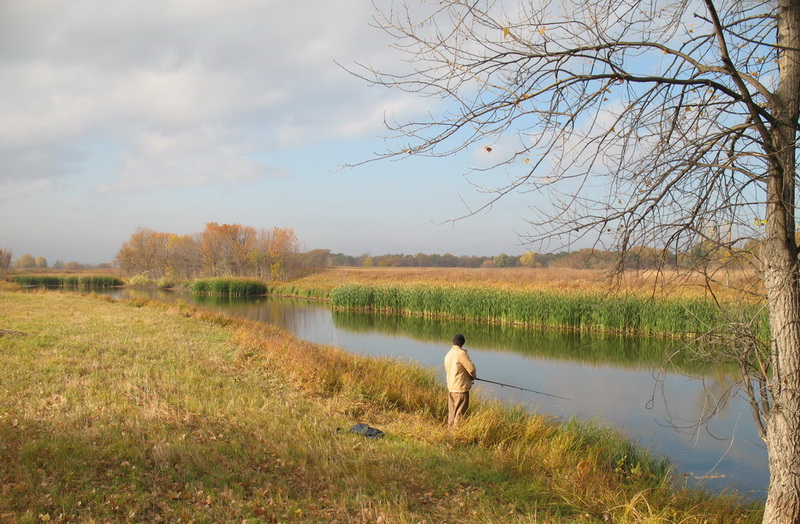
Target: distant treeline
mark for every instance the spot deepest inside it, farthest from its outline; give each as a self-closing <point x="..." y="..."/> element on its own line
<point x="634" y="258"/>
<point x="274" y="254"/>
<point x="28" y="261"/>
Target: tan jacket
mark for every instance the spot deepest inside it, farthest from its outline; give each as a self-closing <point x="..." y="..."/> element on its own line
<point x="459" y="369"/>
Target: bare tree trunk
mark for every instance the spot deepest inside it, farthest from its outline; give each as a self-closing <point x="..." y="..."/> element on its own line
<point x="781" y="275"/>
<point x="782" y="438"/>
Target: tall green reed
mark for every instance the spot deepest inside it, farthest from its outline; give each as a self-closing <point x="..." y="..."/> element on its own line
<point x="584" y="312"/>
<point x="84" y="281"/>
<point x="229" y="286"/>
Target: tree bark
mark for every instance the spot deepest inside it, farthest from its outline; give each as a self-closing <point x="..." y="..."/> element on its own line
<point x="781" y="276"/>
<point x="783" y="423"/>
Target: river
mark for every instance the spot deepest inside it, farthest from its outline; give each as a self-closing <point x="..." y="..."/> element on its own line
<point x="614" y="381"/>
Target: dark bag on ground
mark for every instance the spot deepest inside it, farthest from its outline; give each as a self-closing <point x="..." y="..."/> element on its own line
<point x="366" y="430"/>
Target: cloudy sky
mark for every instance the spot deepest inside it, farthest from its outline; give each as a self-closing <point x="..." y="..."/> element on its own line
<point x="171" y="114"/>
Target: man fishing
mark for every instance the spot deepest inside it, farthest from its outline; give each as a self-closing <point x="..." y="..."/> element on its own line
<point x="460" y="373"/>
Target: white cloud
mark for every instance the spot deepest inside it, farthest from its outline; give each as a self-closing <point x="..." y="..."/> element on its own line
<point x="42" y="104"/>
<point x="200" y="157"/>
<point x="154" y="80"/>
<point x="14" y="189"/>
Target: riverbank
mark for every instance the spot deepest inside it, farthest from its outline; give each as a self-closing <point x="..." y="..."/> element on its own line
<point x="143" y="411"/>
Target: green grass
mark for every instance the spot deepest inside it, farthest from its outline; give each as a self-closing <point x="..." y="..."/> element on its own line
<point x="583" y="312"/>
<point x="231" y="286"/>
<point x="146" y="412"/>
<point x="82" y="281"/>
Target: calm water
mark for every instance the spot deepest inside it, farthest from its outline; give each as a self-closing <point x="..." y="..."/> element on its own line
<point x="616" y="382"/>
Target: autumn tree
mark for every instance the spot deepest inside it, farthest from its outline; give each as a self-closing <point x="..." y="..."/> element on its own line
<point x="219" y="250"/>
<point x="389" y="260"/>
<point x="643" y="122"/>
<point x="183" y="257"/>
<point x="26" y="261"/>
<point x="268" y="255"/>
<point x="145" y="252"/>
<point x="226" y="249"/>
<point x="5" y="261"/>
<point x="283" y="253"/>
<point x="159" y="255"/>
<point x="503" y="260"/>
<point x="317" y="258"/>
<point x="528" y="259"/>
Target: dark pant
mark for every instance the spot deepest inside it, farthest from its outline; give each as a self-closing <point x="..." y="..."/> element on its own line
<point x="457" y="404"/>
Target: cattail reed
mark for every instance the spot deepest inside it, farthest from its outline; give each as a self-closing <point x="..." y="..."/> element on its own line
<point x="82" y="281"/>
<point x="229" y="286"/>
<point x="584" y="312"/>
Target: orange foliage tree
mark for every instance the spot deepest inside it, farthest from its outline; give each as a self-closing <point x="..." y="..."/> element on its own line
<point x="283" y="254"/>
<point x="219" y="250"/>
<point x="225" y="249"/>
<point x="145" y="252"/>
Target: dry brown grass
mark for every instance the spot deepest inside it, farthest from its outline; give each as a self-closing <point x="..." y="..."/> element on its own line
<point x="723" y="284"/>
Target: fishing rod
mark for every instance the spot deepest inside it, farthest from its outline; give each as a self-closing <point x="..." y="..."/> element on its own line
<point x="522" y="389"/>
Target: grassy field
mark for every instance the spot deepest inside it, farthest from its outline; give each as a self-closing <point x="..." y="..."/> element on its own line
<point x="732" y="285"/>
<point x="146" y="412"/>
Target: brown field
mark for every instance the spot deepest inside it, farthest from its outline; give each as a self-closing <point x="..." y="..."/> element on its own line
<point x="729" y="284"/>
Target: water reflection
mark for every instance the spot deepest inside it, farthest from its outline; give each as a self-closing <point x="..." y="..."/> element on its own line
<point x="593" y="349"/>
<point x="615" y="381"/>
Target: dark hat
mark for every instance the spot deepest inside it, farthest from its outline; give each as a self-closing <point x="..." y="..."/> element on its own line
<point x="458" y="340"/>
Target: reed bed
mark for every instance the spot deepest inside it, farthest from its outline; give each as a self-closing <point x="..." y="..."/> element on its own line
<point x="581" y="311"/>
<point x="81" y="281"/>
<point x="229" y="286"/>
<point x="300" y="290"/>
